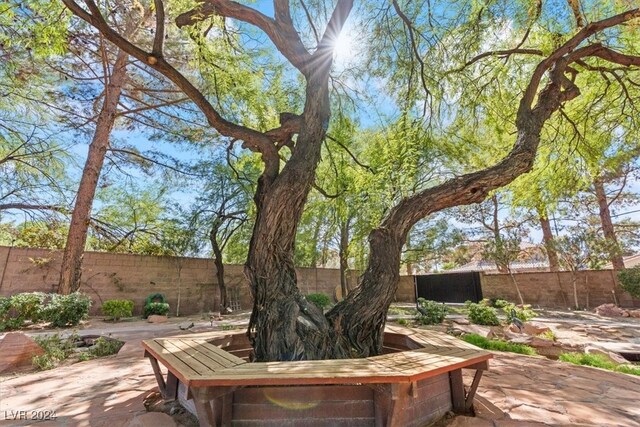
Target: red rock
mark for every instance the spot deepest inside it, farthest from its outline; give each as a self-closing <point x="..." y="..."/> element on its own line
<point x="154" y="318"/>
<point x="613" y="357"/>
<point x="531" y="328"/>
<point x="610" y="310"/>
<point x="16" y="352"/>
<point x="634" y="313"/>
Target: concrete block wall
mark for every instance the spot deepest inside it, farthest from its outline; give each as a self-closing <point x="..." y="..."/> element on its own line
<point x="108" y="276"/>
<point x="555" y="290"/>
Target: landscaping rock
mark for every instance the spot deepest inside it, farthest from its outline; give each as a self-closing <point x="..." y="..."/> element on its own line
<point x="16" y="351"/>
<point x="154" y="318"/>
<point x="484" y="331"/>
<point x="613" y="357"/>
<point x="611" y="310"/>
<point x="466" y="322"/>
<point x="531" y="328"/>
<point x="634" y="313"/>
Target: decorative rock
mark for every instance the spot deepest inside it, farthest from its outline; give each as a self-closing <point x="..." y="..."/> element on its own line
<point x="613" y="357"/>
<point x="16" y="351"/>
<point x="610" y="310"/>
<point x="484" y="331"/>
<point x="634" y="313"/>
<point x="538" y="342"/>
<point x="154" y="318"/>
<point x="466" y="322"/>
<point x="531" y="328"/>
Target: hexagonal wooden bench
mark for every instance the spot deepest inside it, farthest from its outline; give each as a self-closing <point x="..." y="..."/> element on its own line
<point x="417" y="380"/>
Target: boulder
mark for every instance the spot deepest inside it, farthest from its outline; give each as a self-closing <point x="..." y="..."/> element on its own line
<point x="155" y="318"/>
<point x="610" y="310"/>
<point x="634" y="313"/>
<point x="16" y="352"/>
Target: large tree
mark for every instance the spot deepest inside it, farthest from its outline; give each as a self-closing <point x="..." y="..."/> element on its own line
<point x="283" y="325"/>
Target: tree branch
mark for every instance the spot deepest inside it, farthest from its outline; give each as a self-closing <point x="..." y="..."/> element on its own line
<point x="283" y="35"/>
<point x="158" y="39"/>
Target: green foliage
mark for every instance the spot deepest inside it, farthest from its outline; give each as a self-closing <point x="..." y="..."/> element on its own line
<point x="482" y="314"/>
<point x="498" y="345"/>
<point x="524" y="313"/>
<point x="105" y="347"/>
<point x="56" y="350"/>
<point x="403" y="322"/>
<point x="28" y="305"/>
<point x="598" y="361"/>
<point x="548" y="335"/>
<point x="117" y="308"/>
<point x="403" y="311"/>
<point x="431" y="313"/>
<point x="157" y="297"/>
<point x="227" y="327"/>
<point x="630" y="281"/>
<point x="67" y="310"/>
<point x="320" y="300"/>
<point x="156" y="308"/>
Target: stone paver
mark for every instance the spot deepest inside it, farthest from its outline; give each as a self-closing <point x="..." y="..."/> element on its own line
<point x="519" y="391"/>
<point x="538" y="391"/>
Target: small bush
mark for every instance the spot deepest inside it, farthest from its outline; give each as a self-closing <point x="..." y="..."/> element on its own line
<point x="117" y="308"/>
<point x="630" y="281"/>
<point x="55" y="349"/>
<point x="498" y="345"/>
<point x="525" y="313"/>
<point x="156" y="308"/>
<point x="105" y="347"/>
<point x="431" y="312"/>
<point x="28" y="305"/>
<point x="482" y="314"/>
<point x="321" y="301"/>
<point x="157" y="297"/>
<point x="65" y="310"/>
<point x="403" y="322"/>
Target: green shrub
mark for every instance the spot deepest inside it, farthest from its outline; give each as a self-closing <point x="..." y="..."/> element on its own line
<point x="482" y="314"/>
<point x="105" y="347"/>
<point x="499" y="303"/>
<point x="28" y="305"/>
<point x="598" y="361"/>
<point x="117" y="308"/>
<point x="403" y="322"/>
<point x="630" y="281"/>
<point x="6" y="322"/>
<point x="431" y="312"/>
<point x="157" y="297"/>
<point x="157" y="308"/>
<point x="56" y="349"/>
<point x="498" y="345"/>
<point x="64" y="310"/>
<point x="525" y="313"/>
<point x="321" y="301"/>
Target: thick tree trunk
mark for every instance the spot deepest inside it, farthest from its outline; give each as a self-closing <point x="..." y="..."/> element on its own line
<point x="283" y="325"/>
<point x="217" y="261"/>
<point x="547" y="237"/>
<point x="607" y="225"/>
<point x="358" y="321"/>
<point x="71" y="269"/>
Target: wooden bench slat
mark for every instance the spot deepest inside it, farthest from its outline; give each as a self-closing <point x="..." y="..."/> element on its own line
<point x="187" y="358"/>
<point x="215" y="353"/>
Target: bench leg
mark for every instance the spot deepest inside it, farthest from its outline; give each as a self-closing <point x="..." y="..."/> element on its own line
<point x="204" y="408"/>
<point x="457" y="391"/>
<point x="168" y="389"/>
<point x="472" y="391"/>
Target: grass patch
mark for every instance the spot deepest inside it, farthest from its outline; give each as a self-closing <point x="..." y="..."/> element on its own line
<point x="498" y="345"/>
<point x="402" y="311"/>
<point x="599" y="361"/>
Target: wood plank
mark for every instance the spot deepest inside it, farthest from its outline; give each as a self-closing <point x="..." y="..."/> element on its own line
<point x="302" y="409"/>
<point x="309" y="393"/>
<point x="217" y="355"/>
<point x="201" y="354"/>
<point x="457" y="391"/>
<point x="183" y="371"/>
<point x="186" y="358"/>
